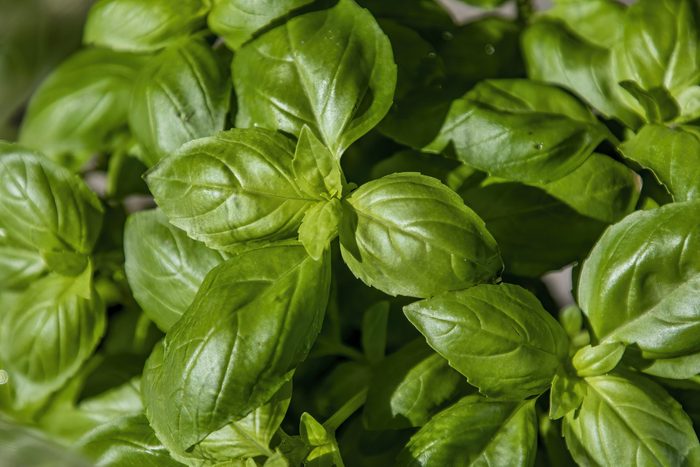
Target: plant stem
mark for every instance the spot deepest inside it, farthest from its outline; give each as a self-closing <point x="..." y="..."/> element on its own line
<point x="525" y="10"/>
<point x="343" y="413"/>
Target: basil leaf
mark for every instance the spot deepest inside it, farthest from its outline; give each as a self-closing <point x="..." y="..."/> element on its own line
<point x="655" y="34"/>
<point x="48" y="333"/>
<point x="126" y="441"/>
<point x="423" y="15"/>
<point x="407" y="234"/>
<point x="331" y="70"/>
<point x="324" y="450"/>
<point x="374" y="328"/>
<point x="236" y="21"/>
<point x="19" y="266"/>
<point x="598" y="360"/>
<point x="181" y="95"/>
<point x="527" y="224"/>
<point x="600" y="188"/>
<point x="498" y="336"/>
<point x="164" y="266"/>
<point x="556" y="55"/>
<point x="566" y="394"/>
<point x="668" y="153"/>
<point x="597" y="21"/>
<point x="248" y="437"/>
<point x="27" y="446"/>
<point x="316" y="171"/>
<point x="230" y="188"/>
<point x="409" y="387"/>
<point x="546" y="132"/>
<point x="247" y="355"/>
<point x="320" y="227"/>
<point x="80" y="106"/>
<point x="629" y="417"/>
<point x="638" y="286"/>
<point x="484" y="3"/>
<point x="658" y="104"/>
<point x="476" y="431"/>
<point x="139" y="25"/>
<point x="45" y="207"/>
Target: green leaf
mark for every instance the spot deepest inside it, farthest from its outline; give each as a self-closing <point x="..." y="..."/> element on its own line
<point x="140" y="25"/>
<point x="625" y="418"/>
<point x="640" y="282"/>
<point x="476" y="431"/>
<point x="658" y="45"/>
<point x="231" y="188"/>
<point x="181" y="95"/>
<point x="566" y="394"/>
<point x="556" y="55"/>
<point x="49" y="332"/>
<point x="374" y="329"/>
<point x="600" y="188"/>
<point x="324" y="449"/>
<point x="598" y="360"/>
<point x="236" y="21"/>
<point x="19" y="266"/>
<point x="331" y="70"/>
<point x="407" y="234"/>
<point x="671" y="154"/>
<point x="316" y="171"/>
<point x="659" y="106"/>
<point x="597" y="21"/>
<point x="248" y="437"/>
<point x="498" y="336"/>
<point x="224" y="342"/>
<point x="536" y="232"/>
<point x="164" y="266"/>
<point x="484" y="3"/>
<point x="409" y="387"/>
<point x="81" y="105"/>
<point x="520" y="130"/>
<point x="424" y="15"/>
<point x="44" y="207"/>
<point x="320" y="226"/>
<point x="27" y="446"/>
<point x="128" y="440"/>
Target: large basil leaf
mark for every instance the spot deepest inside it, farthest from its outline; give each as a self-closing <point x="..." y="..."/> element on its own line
<point x="601" y="188"/>
<point x="234" y="187"/>
<point x="627" y="419"/>
<point x="409" y="387"/>
<point x="80" y="105"/>
<point x="476" y="431"/>
<point x="182" y="94"/>
<point x="658" y="46"/>
<point x="47" y="334"/>
<point x="224" y="358"/>
<point x="424" y="15"/>
<point x="164" y="266"/>
<point x="535" y="231"/>
<point x="331" y="70"/>
<point x="498" y="336"/>
<point x="128" y="440"/>
<point x="248" y="437"/>
<point x="44" y="206"/>
<point x="408" y="234"/>
<point x="639" y="285"/>
<point x="672" y="154"/>
<point x="142" y="25"/>
<point x="556" y="55"/>
<point x="236" y="21"/>
<point x="521" y="130"/>
<point x="597" y="21"/>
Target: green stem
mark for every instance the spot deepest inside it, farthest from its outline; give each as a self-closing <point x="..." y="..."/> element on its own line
<point x="525" y="10"/>
<point x="343" y="413"/>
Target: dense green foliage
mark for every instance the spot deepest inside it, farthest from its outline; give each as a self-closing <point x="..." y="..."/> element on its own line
<point x="352" y="205"/>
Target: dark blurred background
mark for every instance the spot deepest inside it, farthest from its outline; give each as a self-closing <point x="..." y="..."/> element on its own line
<point x="35" y="35"/>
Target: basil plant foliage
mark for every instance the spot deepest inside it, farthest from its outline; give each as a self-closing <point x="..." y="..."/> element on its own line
<point x="350" y="206"/>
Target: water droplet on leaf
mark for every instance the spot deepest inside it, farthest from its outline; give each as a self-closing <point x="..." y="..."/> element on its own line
<point x="489" y="49"/>
<point x="447" y="35"/>
<point x="539" y="146"/>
